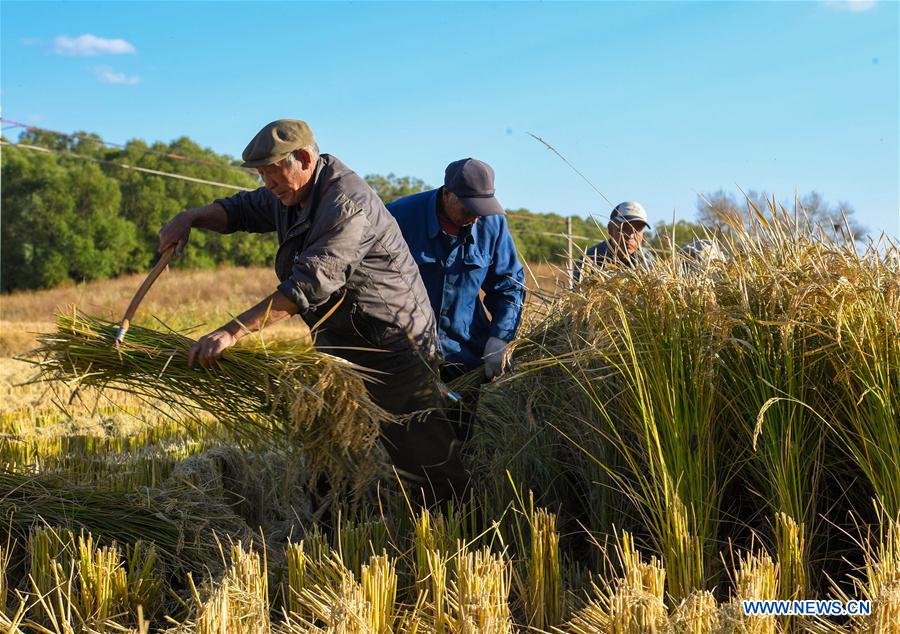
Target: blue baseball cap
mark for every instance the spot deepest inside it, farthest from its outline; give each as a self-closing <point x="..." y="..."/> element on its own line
<point x="472" y="181"/>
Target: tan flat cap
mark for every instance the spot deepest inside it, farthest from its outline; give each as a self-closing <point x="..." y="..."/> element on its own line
<point x="275" y="141"/>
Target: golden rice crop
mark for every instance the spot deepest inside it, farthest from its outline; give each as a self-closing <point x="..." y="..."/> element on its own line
<point x="287" y="392"/>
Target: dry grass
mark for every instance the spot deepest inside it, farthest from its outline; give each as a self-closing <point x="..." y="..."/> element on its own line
<point x="179" y="298"/>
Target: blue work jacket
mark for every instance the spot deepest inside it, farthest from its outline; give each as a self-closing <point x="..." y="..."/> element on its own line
<point x="454" y="270"/>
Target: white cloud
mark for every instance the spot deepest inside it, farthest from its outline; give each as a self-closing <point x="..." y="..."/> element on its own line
<point x="88" y="45"/>
<point x="856" y="6"/>
<point x="108" y="76"/>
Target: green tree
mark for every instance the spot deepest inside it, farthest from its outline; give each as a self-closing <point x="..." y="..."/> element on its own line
<point x="389" y="188"/>
<point x="150" y="201"/>
<point x="542" y="237"/>
<point x="60" y="221"/>
<point x="80" y="142"/>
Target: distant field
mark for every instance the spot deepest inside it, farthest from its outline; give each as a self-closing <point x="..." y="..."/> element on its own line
<point x="180" y="299"/>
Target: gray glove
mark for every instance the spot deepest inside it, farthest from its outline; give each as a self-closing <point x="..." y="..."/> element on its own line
<point x="494" y="351"/>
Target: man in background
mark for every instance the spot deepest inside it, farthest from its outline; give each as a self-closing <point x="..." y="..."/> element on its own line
<point x="460" y="241"/>
<point x="626" y="227"/>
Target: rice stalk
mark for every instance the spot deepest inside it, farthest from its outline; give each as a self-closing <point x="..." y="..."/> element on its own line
<point x="5" y="554"/>
<point x="268" y="394"/>
<point x="51" y="554"/>
<point x="239" y="604"/>
<point x="755" y="577"/>
<point x="435" y="592"/>
<point x="102" y="580"/>
<point x="878" y="581"/>
<point x="12" y="620"/>
<point x="544" y="604"/>
<point x="640" y="351"/>
<point x="327" y="597"/>
<point x="790" y="550"/>
<point x="630" y="604"/>
<point x="56" y="600"/>
<point x="80" y="582"/>
<point x="296" y="564"/>
<point x="696" y="614"/>
<point x="866" y="366"/>
<point x="379" y="587"/>
<point x="479" y="593"/>
<point x="358" y="541"/>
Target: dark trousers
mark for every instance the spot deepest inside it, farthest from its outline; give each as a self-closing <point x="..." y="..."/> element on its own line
<point x="423" y="445"/>
<point x="462" y="414"/>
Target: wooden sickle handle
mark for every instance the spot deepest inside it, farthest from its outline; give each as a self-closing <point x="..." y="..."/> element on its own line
<point x="139" y="296"/>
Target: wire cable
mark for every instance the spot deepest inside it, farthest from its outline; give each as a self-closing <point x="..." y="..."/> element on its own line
<point x="126" y="166"/>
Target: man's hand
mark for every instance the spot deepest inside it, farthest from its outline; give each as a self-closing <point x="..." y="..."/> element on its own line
<point x="176" y="232"/>
<point x="208" y="349"/>
<point x="493" y="357"/>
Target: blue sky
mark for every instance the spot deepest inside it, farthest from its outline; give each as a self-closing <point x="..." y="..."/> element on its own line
<point x="653" y="101"/>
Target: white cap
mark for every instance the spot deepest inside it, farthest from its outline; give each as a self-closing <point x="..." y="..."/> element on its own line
<point x="629" y="211"/>
<point x="704" y="251"/>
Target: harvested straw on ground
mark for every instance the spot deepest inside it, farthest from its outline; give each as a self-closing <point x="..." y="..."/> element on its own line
<point x="27" y="501"/>
<point x="286" y="394"/>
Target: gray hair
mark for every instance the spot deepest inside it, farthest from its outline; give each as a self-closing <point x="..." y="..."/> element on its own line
<point x="312" y="148"/>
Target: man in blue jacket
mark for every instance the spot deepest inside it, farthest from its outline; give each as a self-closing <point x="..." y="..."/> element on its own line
<point x="460" y="240"/>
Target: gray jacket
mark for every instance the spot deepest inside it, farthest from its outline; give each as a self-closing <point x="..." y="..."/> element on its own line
<point x="343" y="246"/>
<point x="601" y="255"/>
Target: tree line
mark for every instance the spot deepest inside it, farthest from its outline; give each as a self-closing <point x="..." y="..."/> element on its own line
<point x="74" y="214"/>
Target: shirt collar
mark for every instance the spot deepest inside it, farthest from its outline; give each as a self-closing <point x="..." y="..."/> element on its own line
<point x="433" y="225"/>
<point x="311" y="200"/>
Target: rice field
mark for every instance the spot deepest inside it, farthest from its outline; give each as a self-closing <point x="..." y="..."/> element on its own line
<point x="665" y="445"/>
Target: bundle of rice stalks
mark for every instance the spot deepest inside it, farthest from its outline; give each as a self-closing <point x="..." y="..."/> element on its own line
<point x="479" y="594"/>
<point x="754" y="578"/>
<point x="282" y="394"/>
<point x="544" y="604"/>
<point x="878" y="581"/>
<point x="80" y="585"/>
<point x="697" y="614"/>
<point x="323" y="592"/>
<point x="240" y="601"/>
<point x="125" y="518"/>
<point x="630" y="604"/>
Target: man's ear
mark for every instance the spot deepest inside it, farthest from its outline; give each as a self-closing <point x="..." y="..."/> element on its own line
<point x="303" y="155"/>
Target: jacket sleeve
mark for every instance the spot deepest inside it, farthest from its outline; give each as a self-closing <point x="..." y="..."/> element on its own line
<point x="577" y="268"/>
<point x="504" y="287"/>
<point x="339" y="238"/>
<point x="253" y="211"/>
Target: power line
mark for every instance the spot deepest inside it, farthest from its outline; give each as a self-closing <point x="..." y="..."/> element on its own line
<point x="126" y="166"/>
<point x="85" y="137"/>
<point x="201" y="181"/>
<point x="585" y="178"/>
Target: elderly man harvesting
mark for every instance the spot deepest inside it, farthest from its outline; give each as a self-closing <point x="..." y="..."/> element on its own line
<point x="626" y="227"/>
<point x="340" y="252"/>
<point x="459" y="238"/>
